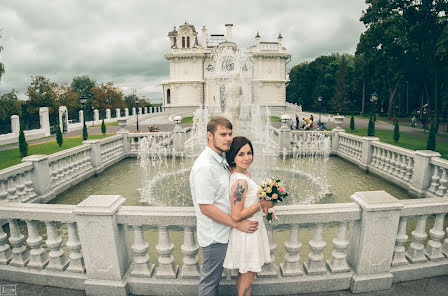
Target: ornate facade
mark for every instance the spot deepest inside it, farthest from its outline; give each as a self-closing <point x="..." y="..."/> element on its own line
<point x="188" y="86"/>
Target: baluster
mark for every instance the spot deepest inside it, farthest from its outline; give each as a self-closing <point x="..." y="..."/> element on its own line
<point x="433" y="250"/>
<point x="29" y="187"/>
<point x="132" y="144"/>
<point x="314" y="265"/>
<point x="11" y="189"/>
<point x="141" y="267"/>
<point x="442" y="187"/>
<point x="399" y="250"/>
<point x="291" y="265"/>
<point x="74" y="245"/>
<point x="3" y="193"/>
<point x="374" y="161"/>
<point x="403" y="167"/>
<point x="20" y="254"/>
<point x="5" y="250"/>
<point x="54" y="173"/>
<point x="383" y="159"/>
<point x="190" y="248"/>
<point x="58" y="260"/>
<point x="338" y="261"/>
<point x="435" y="180"/>
<point x="268" y="269"/>
<point x="38" y="256"/>
<point x="392" y="162"/>
<point x="60" y="171"/>
<point x="445" y="245"/>
<point x="409" y="169"/>
<point x="397" y="166"/>
<point x="71" y="165"/>
<point x="20" y="187"/>
<point x="415" y="253"/>
<point x="167" y="267"/>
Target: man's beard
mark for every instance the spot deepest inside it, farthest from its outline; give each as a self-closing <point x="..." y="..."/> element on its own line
<point x="222" y="148"/>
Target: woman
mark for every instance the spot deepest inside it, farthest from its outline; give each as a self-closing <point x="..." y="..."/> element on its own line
<point x="247" y="252"/>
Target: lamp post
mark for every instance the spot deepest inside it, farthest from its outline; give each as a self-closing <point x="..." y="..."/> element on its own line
<point x="425" y="116"/>
<point x="136" y="109"/>
<point x="93" y="116"/>
<point x="83" y="100"/>
<point x="374" y="99"/>
<point x="319" y="98"/>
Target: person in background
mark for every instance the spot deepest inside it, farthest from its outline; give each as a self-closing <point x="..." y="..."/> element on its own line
<point x="297" y="122"/>
<point x="414" y="121"/>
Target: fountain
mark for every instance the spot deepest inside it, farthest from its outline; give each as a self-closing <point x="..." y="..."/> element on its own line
<point x="231" y="69"/>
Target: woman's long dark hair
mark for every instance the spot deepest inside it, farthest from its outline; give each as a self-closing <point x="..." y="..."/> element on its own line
<point x="237" y="144"/>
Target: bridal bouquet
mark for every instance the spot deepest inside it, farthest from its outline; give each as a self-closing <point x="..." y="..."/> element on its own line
<point x="271" y="189"/>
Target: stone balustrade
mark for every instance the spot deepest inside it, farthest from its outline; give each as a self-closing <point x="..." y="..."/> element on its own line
<point x="361" y="246"/>
<point x="16" y="184"/>
<point x="438" y="174"/>
<point x="111" y="149"/>
<point x="160" y="138"/>
<point x="350" y="146"/>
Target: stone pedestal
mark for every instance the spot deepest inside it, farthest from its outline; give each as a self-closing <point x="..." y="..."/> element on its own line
<point x="41" y="173"/>
<point x="126" y="112"/>
<point x="63" y="119"/>
<point x="178" y="135"/>
<point x="125" y="133"/>
<point x="106" y="262"/>
<point x="96" y="115"/>
<point x="117" y="113"/>
<point x="107" y="113"/>
<point x="44" y="120"/>
<point x="133" y="111"/>
<point x="372" y="241"/>
<point x="421" y="177"/>
<point x="95" y="154"/>
<point x="81" y="116"/>
<point x="146" y="110"/>
<point x="140" y="110"/>
<point x="15" y="124"/>
<point x="367" y="151"/>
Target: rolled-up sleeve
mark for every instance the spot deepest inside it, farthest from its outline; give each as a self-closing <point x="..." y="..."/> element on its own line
<point x="204" y="186"/>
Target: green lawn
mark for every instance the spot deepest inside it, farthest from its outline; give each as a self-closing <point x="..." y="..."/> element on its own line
<point x="406" y="141"/>
<point x="187" y="119"/>
<point x="12" y="157"/>
<point x="115" y="123"/>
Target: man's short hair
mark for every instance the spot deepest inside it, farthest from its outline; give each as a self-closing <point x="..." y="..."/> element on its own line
<point x="218" y="120"/>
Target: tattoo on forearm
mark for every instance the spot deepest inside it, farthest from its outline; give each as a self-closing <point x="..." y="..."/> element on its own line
<point x="238" y="194"/>
<point x="246" y="292"/>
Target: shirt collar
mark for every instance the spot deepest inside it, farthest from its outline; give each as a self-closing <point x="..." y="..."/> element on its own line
<point x="220" y="158"/>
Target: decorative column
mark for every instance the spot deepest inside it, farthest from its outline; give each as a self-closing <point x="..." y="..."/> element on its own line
<point x="20" y="254"/>
<point x="269" y="270"/>
<point x="400" y="251"/>
<point x="117" y="113"/>
<point x="58" y="260"/>
<point x="63" y="119"/>
<point x="167" y="267"/>
<point x="38" y="256"/>
<point x="367" y="152"/>
<point x="95" y="155"/>
<point x="125" y="133"/>
<point x="291" y="265"/>
<point x="140" y="110"/>
<point x="190" y="248"/>
<point x="106" y="262"/>
<point x="433" y="249"/>
<point x="133" y="111"/>
<point x="126" y="112"/>
<point x="338" y="260"/>
<point x="44" y="120"/>
<point x="314" y="264"/>
<point x="421" y="177"/>
<point x="5" y="250"/>
<point x="141" y="267"/>
<point x="372" y="241"/>
<point x="40" y="176"/>
<point x="146" y="110"/>
<point x="15" y="124"/>
<point x="107" y="113"/>
<point x="74" y="245"/>
<point x="415" y="253"/>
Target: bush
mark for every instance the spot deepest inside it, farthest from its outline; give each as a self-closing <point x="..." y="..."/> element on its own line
<point x="371" y="128"/>
<point x="431" y="144"/>
<point x="23" y="145"/>
<point x="396" y="132"/>
<point x="352" y="123"/>
<point x="103" y="127"/>
<point x="59" y="138"/>
<point x="85" y="135"/>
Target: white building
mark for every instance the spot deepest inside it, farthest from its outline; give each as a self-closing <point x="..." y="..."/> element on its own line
<point x="189" y="85"/>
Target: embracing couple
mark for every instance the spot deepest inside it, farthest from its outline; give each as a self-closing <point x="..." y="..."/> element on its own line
<point x="230" y="226"/>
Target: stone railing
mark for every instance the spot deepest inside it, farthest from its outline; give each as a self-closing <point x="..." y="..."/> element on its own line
<point x="160" y="138"/>
<point x="16" y="184"/>
<point x="350" y="146"/>
<point x="112" y="148"/>
<point x="368" y="255"/>
<point x="438" y="173"/>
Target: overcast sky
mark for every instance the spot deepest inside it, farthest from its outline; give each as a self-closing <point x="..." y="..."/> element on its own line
<point x="125" y="41"/>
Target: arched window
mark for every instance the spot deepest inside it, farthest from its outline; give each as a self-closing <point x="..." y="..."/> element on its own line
<point x="168" y="96"/>
<point x="183" y="42"/>
<point x="188" y="42"/>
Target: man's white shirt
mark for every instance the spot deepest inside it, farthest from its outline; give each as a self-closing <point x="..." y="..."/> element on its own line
<point x="209" y="183"/>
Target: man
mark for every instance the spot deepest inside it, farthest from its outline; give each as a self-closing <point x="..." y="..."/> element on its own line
<point x="209" y="182"/>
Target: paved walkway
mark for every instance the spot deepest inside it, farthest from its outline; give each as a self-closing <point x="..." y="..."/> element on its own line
<point x="437" y="286"/>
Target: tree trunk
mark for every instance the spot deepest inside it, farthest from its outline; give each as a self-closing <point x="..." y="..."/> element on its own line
<point x="363" y="95"/>
<point x="391" y="100"/>
<point x="436" y="99"/>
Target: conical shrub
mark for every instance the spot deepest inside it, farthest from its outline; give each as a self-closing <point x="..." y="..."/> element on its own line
<point x="396" y="132"/>
<point x="59" y="138"/>
<point x="23" y="145"/>
<point x="371" y="128"/>
<point x="431" y="144"/>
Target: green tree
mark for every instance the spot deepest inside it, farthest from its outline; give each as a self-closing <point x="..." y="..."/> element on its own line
<point x="352" y="123"/>
<point x="103" y="127"/>
<point x="42" y="93"/>
<point x="59" y="138"/>
<point x="85" y="135"/>
<point x="396" y="131"/>
<point x="10" y="105"/>
<point x="23" y="145"/>
<point x="371" y="128"/>
<point x="2" y="66"/>
<point x="83" y="85"/>
<point x="431" y="143"/>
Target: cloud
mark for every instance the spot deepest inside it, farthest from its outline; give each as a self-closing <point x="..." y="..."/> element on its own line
<point x="125" y="42"/>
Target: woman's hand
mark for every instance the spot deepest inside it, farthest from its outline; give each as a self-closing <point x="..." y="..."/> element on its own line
<point x="265" y="205"/>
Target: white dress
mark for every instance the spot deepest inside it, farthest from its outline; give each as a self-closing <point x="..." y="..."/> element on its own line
<point x="248" y="251"/>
